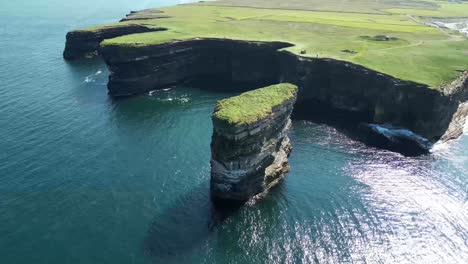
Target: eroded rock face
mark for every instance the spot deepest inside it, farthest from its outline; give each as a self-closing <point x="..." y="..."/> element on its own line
<point x="223" y="64"/>
<point x="85" y="43"/>
<point x="216" y="63"/>
<point x="375" y="97"/>
<point x="241" y="65"/>
<point x="249" y="159"/>
<point x="455" y="130"/>
<point x="458" y="92"/>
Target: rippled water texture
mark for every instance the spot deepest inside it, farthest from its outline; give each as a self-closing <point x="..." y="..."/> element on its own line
<point x="85" y="179"/>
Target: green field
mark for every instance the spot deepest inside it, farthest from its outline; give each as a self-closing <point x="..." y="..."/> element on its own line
<point x="260" y="104"/>
<point x="339" y="29"/>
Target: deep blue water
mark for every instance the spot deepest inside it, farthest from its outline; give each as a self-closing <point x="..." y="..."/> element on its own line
<point x="86" y="179"/>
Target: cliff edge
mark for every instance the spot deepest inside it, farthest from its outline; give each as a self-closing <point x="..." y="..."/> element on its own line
<point x="393" y="72"/>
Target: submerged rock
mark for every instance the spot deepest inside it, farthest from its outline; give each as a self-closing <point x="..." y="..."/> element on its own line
<point x="250" y="146"/>
<point x="393" y="138"/>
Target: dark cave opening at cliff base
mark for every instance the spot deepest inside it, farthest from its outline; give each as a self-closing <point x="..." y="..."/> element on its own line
<point x="355" y="125"/>
<point x="322" y="113"/>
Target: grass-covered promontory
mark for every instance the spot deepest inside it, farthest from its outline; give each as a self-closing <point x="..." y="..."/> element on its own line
<point x="254" y="105"/>
<point x="338" y="29"/>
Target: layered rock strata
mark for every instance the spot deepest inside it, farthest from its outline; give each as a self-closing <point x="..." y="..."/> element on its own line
<point x="323" y="83"/>
<point x="456" y="128"/>
<point x="250" y="146"/>
<point x="226" y="64"/>
<point x="206" y="62"/>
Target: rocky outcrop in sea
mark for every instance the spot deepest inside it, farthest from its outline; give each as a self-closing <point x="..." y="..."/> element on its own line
<point x="249" y="157"/>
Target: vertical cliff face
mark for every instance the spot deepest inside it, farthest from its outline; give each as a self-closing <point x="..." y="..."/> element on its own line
<point x="203" y="62"/>
<point x="324" y="84"/>
<point x="368" y="95"/>
<point x="458" y="92"/>
<point x="250" y="146"/>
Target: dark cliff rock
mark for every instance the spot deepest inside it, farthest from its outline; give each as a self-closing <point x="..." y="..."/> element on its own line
<point x="250" y="157"/>
<point x="85" y="43"/>
<point x="355" y="92"/>
<point x="203" y="62"/>
<point x="229" y="64"/>
<point x="457" y="125"/>
<point x="370" y="95"/>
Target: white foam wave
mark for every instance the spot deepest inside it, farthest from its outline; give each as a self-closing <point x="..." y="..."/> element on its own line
<point x="440" y="147"/>
<point x="89" y="79"/>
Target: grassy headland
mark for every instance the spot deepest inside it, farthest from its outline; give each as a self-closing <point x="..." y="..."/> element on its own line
<point x="254" y="105"/>
<point x="343" y="30"/>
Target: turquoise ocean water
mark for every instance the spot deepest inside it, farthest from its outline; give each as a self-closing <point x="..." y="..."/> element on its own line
<point x="87" y="179"/>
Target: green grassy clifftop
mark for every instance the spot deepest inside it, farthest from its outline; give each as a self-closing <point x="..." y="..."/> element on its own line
<point x="344" y="30"/>
<point x="252" y="106"/>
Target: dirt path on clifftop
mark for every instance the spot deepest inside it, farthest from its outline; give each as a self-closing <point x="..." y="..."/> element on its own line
<point x="403" y="47"/>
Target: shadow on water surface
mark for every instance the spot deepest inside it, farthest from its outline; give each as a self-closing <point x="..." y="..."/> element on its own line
<point x="79" y="67"/>
<point x="89" y="80"/>
<point x="185" y="225"/>
<point x="193" y="221"/>
<point x="148" y="109"/>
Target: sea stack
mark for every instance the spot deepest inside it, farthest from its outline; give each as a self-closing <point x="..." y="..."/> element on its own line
<point x="250" y="146"/>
